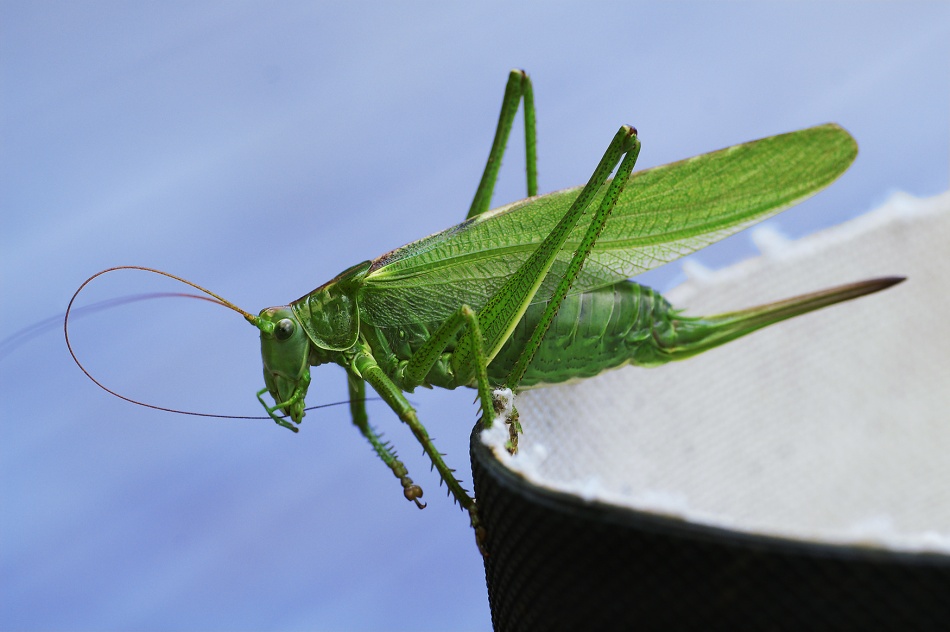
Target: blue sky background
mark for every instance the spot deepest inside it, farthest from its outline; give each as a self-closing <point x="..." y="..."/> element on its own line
<point x="260" y="148"/>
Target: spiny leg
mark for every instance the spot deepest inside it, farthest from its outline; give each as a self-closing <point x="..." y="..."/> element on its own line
<point x="507" y="305"/>
<point x="383" y="449"/>
<point x="505" y="308"/>
<point x="577" y="262"/>
<point x="428" y="354"/>
<point x="564" y="285"/>
<point x="519" y="86"/>
<point x="366" y="367"/>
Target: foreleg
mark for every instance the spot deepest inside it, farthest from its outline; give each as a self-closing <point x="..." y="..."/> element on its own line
<point x="384" y="450"/>
<point x="365" y="367"/>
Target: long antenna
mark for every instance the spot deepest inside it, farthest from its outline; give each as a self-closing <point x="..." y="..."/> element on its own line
<point x="254" y="320"/>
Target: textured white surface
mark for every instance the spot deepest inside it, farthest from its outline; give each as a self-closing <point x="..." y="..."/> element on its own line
<point x="833" y="426"/>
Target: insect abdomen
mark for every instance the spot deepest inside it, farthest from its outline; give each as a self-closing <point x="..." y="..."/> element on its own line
<point x="594" y="331"/>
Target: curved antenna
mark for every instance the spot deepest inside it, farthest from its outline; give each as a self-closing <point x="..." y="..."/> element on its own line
<point x="254" y="320"/>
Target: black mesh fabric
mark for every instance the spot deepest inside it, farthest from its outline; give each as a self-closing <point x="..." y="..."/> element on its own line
<point x="556" y="562"/>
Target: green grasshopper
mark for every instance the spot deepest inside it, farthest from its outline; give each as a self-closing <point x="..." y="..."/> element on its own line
<point x="527" y="294"/>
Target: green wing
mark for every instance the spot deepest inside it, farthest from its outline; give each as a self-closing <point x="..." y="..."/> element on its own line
<point x="664" y="213"/>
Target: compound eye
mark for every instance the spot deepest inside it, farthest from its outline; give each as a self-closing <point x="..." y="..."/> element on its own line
<point x="284" y="329"/>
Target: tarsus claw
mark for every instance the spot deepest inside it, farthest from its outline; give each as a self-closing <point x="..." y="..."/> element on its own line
<point x="414" y="493"/>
